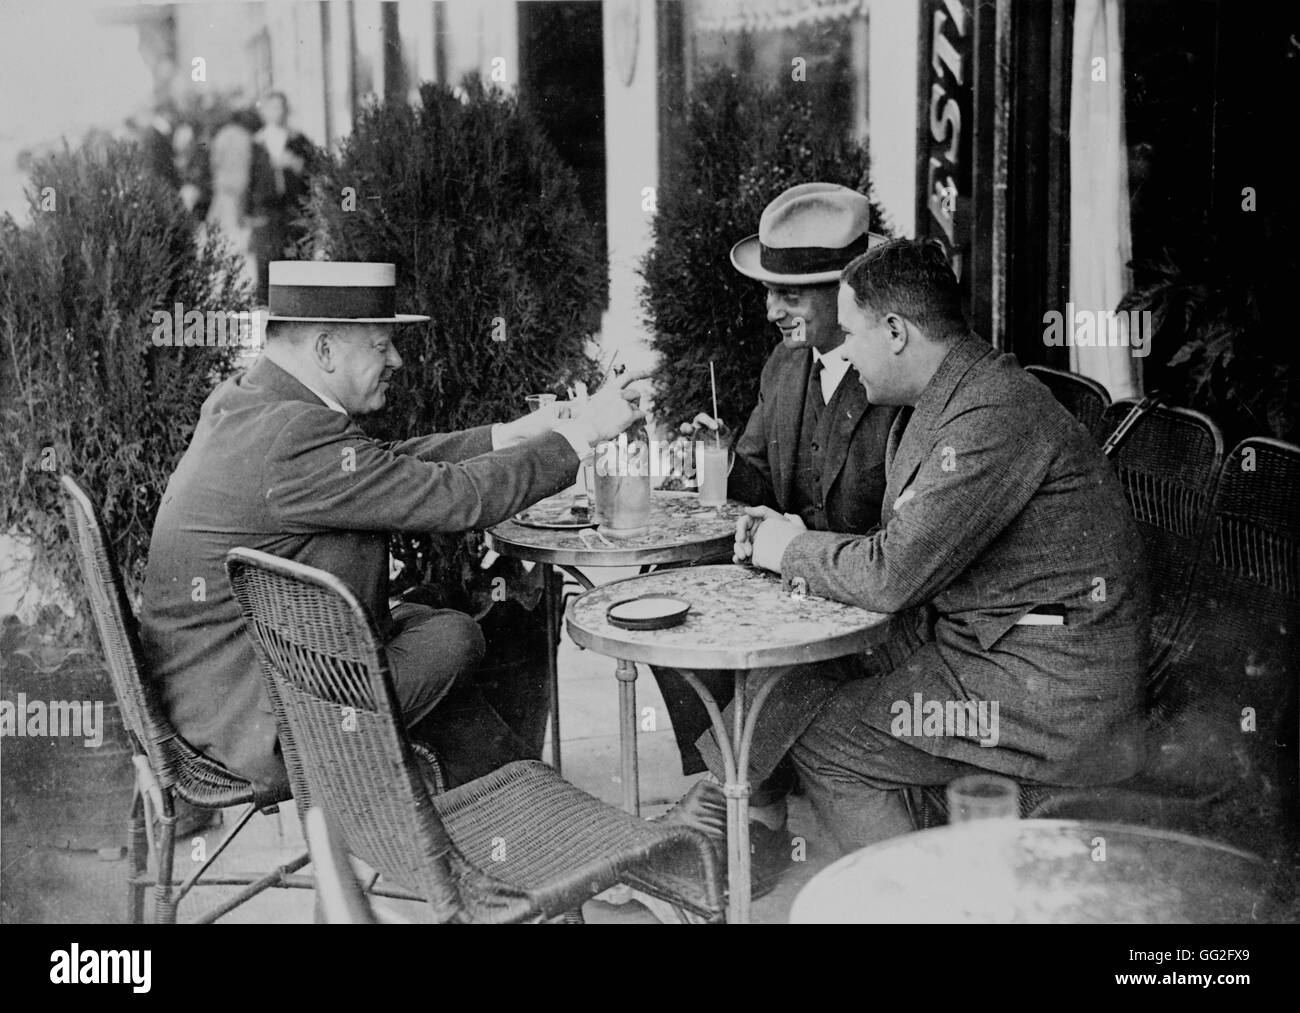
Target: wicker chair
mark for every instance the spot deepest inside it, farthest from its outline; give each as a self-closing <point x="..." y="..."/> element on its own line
<point x="1083" y="397"/>
<point x="520" y="844"/>
<point x="1168" y="461"/>
<point x="340" y="900"/>
<point x="1225" y="711"/>
<point x="167" y="767"/>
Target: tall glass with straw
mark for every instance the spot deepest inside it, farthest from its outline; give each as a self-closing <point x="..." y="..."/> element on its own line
<point x="713" y="457"/>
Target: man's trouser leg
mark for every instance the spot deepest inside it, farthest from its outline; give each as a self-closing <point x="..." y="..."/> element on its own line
<point x="854" y="773"/>
<point x="432" y="654"/>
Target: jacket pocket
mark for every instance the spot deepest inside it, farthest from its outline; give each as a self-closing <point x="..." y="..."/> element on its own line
<point x="989" y="630"/>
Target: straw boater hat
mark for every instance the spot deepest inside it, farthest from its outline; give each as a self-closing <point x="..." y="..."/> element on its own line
<point x="334" y="291"/>
<point x="807" y="236"/>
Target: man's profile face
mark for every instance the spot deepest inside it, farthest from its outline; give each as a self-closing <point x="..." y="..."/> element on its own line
<point x="805" y="315"/>
<point x="867" y="347"/>
<point x="364" y="360"/>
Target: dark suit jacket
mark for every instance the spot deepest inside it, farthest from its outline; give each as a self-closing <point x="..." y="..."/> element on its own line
<point x="998" y="502"/>
<point x="272" y="468"/>
<point x="853" y="469"/>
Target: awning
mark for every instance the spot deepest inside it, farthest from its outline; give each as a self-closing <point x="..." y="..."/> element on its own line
<point x="768" y="15"/>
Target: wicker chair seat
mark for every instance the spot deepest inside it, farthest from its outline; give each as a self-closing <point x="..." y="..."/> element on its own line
<point x="560" y="843"/>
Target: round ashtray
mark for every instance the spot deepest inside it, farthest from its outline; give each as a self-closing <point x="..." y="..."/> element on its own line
<point x="647" y="612"/>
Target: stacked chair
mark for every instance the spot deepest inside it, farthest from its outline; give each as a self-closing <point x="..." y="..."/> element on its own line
<point x="1082" y="396"/>
<point x="518" y="845"/>
<point x="1222" y="755"/>
<point x="167" y="767"/>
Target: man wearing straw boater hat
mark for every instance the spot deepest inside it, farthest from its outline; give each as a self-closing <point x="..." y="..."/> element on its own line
<point x="814" y="447"/>
<point x="278" y="462"/>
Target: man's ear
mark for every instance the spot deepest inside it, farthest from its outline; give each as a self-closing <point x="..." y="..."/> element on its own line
<point x="322" y="348"/>
<point x="898" y="332"/>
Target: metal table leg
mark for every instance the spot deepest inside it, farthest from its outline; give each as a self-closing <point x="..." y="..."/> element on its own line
<point x="736" y="768"/>
<point x="553" y="596"/>
<point x="626" y="675"/>
<point x="551" y="588"/>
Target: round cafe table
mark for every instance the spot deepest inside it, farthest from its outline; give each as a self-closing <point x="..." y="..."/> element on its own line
<point x="741" y="620"/>
<point x="1041" y="872"/>
<point x="680" y="531"/>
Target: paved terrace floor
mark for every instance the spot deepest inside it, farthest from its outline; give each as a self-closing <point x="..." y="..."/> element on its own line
<point x="55" y="885"/>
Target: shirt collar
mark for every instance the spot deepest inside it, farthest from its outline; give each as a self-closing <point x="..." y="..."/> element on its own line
<point x="330" y="403"/>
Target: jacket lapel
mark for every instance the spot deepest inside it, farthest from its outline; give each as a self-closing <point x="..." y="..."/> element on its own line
<point x="850" y="407"/>
<point x="907" y="449"/>
<point x="789" y="422"/>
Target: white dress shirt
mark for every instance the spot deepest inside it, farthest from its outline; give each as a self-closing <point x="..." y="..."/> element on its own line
<point x="834" y="366"/>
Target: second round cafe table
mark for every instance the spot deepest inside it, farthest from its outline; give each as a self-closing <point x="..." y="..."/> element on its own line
<point x="1040" y="872"/>
<point x="741" y="620"/>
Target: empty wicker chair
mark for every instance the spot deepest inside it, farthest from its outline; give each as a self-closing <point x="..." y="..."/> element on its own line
<point x="1225" y="710"/>
<point x="520" y="844"/>
<point x="1168" y="463"/>
<point x="167" y="767"/>
<point x="1083" y="397"/>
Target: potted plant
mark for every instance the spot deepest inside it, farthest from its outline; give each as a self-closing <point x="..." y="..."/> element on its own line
<point x="1211" y="350"/>
<point x="84" y="389"/>
<point x="463" y="192"/>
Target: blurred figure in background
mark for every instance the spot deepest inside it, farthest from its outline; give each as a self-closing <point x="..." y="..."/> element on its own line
<point x="279" y="185"/>
<point x="231" y="156"/>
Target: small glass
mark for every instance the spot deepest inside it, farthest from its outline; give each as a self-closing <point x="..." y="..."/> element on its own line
<point x="714" y="460"/>
<point x="536" y="402"/>
<point x="983" y="797"/>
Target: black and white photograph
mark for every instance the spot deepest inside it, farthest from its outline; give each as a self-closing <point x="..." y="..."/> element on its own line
<point x="777" y="462"/>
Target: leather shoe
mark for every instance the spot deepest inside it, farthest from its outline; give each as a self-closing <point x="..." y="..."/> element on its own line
<point x="704" y="808"/>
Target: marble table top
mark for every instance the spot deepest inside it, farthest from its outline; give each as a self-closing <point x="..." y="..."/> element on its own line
<point x="680" y="531"/>
<point x="1041" y="872"/>
<point x="740" y="618"/>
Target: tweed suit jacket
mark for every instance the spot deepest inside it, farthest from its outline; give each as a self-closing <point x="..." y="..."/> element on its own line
<point x="270" y="467"/>
<point x="852" y="482"/>
<point x="997" y="502"/>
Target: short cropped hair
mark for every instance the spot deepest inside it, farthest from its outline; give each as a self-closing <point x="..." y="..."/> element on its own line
<point x="910" y="277"/>
<point x="286" y="329"/>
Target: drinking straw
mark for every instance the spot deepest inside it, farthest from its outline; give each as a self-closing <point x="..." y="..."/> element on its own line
<point x="713" y="384"/>
<point x="612" y="359"/>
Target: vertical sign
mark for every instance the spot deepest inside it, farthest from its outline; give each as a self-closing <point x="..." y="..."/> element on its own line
<point x="946" y="122"/>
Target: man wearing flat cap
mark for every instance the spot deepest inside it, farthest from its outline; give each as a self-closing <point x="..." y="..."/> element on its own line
<point x="814" y="448"/>
<point x="278" y="463"/>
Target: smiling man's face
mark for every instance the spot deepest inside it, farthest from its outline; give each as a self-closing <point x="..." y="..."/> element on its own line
<point x="365" y="360"/>
<point x="805" y="315"/>
<point x="867" y="346"/>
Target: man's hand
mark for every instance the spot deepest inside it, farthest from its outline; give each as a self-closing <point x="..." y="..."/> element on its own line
<point x="610" y="410"/>
<point x="762" y="535"/>
<point x="702" y="421"/>
<point x="604" y="415"/>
